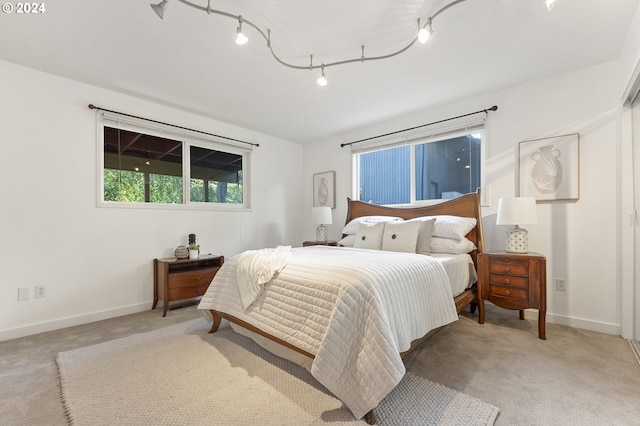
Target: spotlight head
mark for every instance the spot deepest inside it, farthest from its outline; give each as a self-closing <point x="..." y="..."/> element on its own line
<point x="241" y="39"/>
<point x="424" y="34"/>
<point x="160" y="7"/>
<point x="322" y="81"/>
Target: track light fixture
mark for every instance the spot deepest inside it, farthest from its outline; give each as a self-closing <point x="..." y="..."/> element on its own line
<point x="241" y="39"/>
<point x="422" y="36"/>
<point x="424" y="33"/>
<point x="160" y="7"/>
<point x="322" y="81"/>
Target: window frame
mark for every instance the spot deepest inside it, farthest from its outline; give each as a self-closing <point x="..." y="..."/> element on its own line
<point x="188" y="138"/>
<point x="437" y="135"/>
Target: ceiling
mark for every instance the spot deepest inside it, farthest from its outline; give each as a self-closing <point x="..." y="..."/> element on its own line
<point x="189" y="59"/>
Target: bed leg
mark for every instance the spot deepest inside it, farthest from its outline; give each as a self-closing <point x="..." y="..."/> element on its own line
<point x="216" y="321"/>
<point x="370" y="418"/>
<point x="473" y="307"/>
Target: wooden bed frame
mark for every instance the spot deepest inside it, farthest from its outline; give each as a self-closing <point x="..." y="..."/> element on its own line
<point x="467" y="205"/>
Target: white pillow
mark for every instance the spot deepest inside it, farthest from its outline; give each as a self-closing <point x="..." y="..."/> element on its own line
<point x="424" y="234"/>
<point x="347" y="241"/>
<point x="352" y="227"/>
<point x="449" y="245"/>
<point x="400" y="236"/>
<point x="456" y="227"/>
<point x="369" y="235"/>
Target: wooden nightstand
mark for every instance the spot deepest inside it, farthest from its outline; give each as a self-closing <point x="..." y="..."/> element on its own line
<point x="513" y="281"/>
<point x="319" y="243"/>
<point x="177" y="279"/>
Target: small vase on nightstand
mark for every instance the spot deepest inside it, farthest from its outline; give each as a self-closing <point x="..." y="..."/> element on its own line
<point x="194" y="251"/>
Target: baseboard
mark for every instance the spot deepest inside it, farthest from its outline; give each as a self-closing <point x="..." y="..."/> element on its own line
<point x="601" y="327"/>
<point x="71" y="321"/>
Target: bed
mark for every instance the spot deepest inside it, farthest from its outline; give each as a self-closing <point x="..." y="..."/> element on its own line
<point x="350" y="314"/>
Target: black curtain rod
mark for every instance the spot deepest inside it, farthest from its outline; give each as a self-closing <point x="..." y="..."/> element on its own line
<point x="493" y="108"/>
<point x="91" y="106"/>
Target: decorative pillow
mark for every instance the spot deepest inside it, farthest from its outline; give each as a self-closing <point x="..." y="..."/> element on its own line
<point x="369" y="235"/>
<point x="347" y="241"/>
<point x="400" y="236"/>
<point x="424" y="234"/>
<point x="456" y="227"/>
<point x="449" y="245"/>
<point x="352" y="227"/>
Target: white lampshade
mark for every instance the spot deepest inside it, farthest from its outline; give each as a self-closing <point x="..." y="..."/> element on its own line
<point x="517" y="211"/>
<point x="322" y="216"/>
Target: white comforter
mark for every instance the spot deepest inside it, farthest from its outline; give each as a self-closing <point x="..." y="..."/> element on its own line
<point x="354" y="309"/>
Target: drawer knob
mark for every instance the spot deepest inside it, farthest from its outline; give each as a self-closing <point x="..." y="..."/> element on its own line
<point x="506" y="269"/>
<point x="507" y="281"/>
<point x="507" y="293"/>
<point x="198" y="278"/>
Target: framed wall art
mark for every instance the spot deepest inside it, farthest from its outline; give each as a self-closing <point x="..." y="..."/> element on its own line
<point x="549" y="168"/>
<point x="324" y="190"/>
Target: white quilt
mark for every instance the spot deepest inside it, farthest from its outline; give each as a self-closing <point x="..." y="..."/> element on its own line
<point x="354" y="309"/>
<point x="256" y="268"/>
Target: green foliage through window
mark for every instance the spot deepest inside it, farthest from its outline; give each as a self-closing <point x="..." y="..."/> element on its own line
<point x="143" y="168"/>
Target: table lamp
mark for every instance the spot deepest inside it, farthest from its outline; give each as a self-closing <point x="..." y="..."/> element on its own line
<point x="517" y="211"/>
<point x="321" y="216"/>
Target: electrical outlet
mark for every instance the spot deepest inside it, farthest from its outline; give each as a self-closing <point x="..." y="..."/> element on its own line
<point x="41" y="291"/>
<point x="561" y="284"/>
<point x="23" y="293"/>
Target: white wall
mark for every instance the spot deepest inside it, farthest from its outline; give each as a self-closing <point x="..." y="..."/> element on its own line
<point x="578" y="238"/>
<point x="630" y="289"/>
<point x="97" y="262"/>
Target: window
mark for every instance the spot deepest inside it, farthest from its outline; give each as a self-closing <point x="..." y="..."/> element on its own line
<point x="158" y="166"/>
<point x="440" y="166"/>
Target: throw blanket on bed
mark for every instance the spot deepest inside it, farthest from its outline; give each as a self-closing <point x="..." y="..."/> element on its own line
<point x="356" y="310"/>
<point x="256" y="268"/>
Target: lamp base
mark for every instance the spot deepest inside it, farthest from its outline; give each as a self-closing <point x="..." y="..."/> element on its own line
<point x="517" y="240"/>
<point x="321" y="233"/>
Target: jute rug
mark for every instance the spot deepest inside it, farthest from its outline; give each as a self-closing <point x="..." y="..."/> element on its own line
<point x="181" y="375"/>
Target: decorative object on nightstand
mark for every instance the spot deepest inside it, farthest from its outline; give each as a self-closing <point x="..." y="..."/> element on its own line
<point x="321" y="216"/>
<point x="181" y="252"/>
<point x="517" y="211"/>
<point x="513" y="281"/>
<point x="319" y="243"/>
<point x="194" y="248"/>
<point x="177" y="279"/>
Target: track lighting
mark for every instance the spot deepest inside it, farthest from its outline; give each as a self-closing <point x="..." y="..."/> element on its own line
<point x="322" y="81"/>
<point x="241" y="39"/>
<point x="425" y="33"/>
<point x="160" y="7"/>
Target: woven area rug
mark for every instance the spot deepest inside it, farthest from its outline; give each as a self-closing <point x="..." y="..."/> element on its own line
<point x="181" y="375"/>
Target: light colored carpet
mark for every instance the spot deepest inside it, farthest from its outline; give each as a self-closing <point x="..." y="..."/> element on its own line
<point x="181" y="375"/>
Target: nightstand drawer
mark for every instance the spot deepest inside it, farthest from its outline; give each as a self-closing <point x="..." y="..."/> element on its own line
<point x="510" y="292"/>
<point x="509" y="267"/>
<point x="509" y="280"/>
<point x="187" y="292"/>
<point x="191" y="278"/>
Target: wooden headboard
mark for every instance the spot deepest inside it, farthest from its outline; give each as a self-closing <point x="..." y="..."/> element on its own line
<point x="467" y="205"/>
